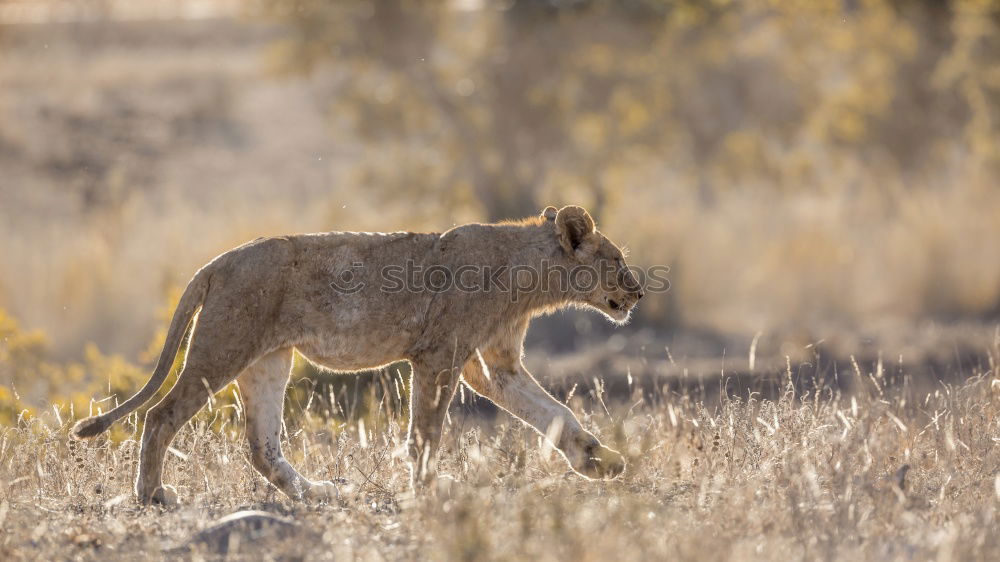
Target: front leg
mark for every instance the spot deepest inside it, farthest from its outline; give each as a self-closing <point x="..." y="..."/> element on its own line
<point x="432" y="387"/>
<point x="510" y="386"/>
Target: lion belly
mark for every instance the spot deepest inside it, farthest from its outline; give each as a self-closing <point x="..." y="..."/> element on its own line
<point x="355" y="352"/>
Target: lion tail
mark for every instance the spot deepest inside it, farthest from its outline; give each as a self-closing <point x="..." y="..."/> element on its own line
<point x="191" y="301"/>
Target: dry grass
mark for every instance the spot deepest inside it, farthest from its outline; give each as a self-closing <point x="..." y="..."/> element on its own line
<point x="807" y="476"/>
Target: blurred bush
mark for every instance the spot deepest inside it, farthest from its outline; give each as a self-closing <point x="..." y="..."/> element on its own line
<point x="507" y="101"/>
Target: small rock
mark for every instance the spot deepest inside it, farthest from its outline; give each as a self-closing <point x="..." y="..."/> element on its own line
<point x="238" y="530"/>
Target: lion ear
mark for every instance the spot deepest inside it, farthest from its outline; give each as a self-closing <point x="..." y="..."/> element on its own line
<point x="573" y="225"/>
<point x="550" y="213"/>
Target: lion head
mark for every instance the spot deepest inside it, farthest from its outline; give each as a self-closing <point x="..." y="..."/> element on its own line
<point x="599" y="277"/>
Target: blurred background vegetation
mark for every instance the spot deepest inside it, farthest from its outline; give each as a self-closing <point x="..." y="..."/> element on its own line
<point x="818" y="175"/>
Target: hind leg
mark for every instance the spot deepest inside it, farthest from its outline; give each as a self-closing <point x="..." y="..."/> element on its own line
<point x="262" y="386"/>
<point x="206" y="371"/>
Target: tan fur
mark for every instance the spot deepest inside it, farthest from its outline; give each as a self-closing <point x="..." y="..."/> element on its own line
<point x="261" y="301"/>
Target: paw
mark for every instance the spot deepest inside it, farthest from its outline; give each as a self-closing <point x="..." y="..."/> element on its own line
<point x="164" y="496"/>
<point x="604" y="463"/>
<point x="322" y="491"/>
<point x="593" y="460"/>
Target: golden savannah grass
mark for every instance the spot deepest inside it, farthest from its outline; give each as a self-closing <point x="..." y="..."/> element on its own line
<point x="885" y="472"/>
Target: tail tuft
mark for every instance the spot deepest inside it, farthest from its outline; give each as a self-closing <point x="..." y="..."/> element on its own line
<point x="90" y="427"/>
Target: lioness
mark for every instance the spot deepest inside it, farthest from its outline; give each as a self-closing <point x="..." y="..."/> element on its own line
<point x="331" y="297"/>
